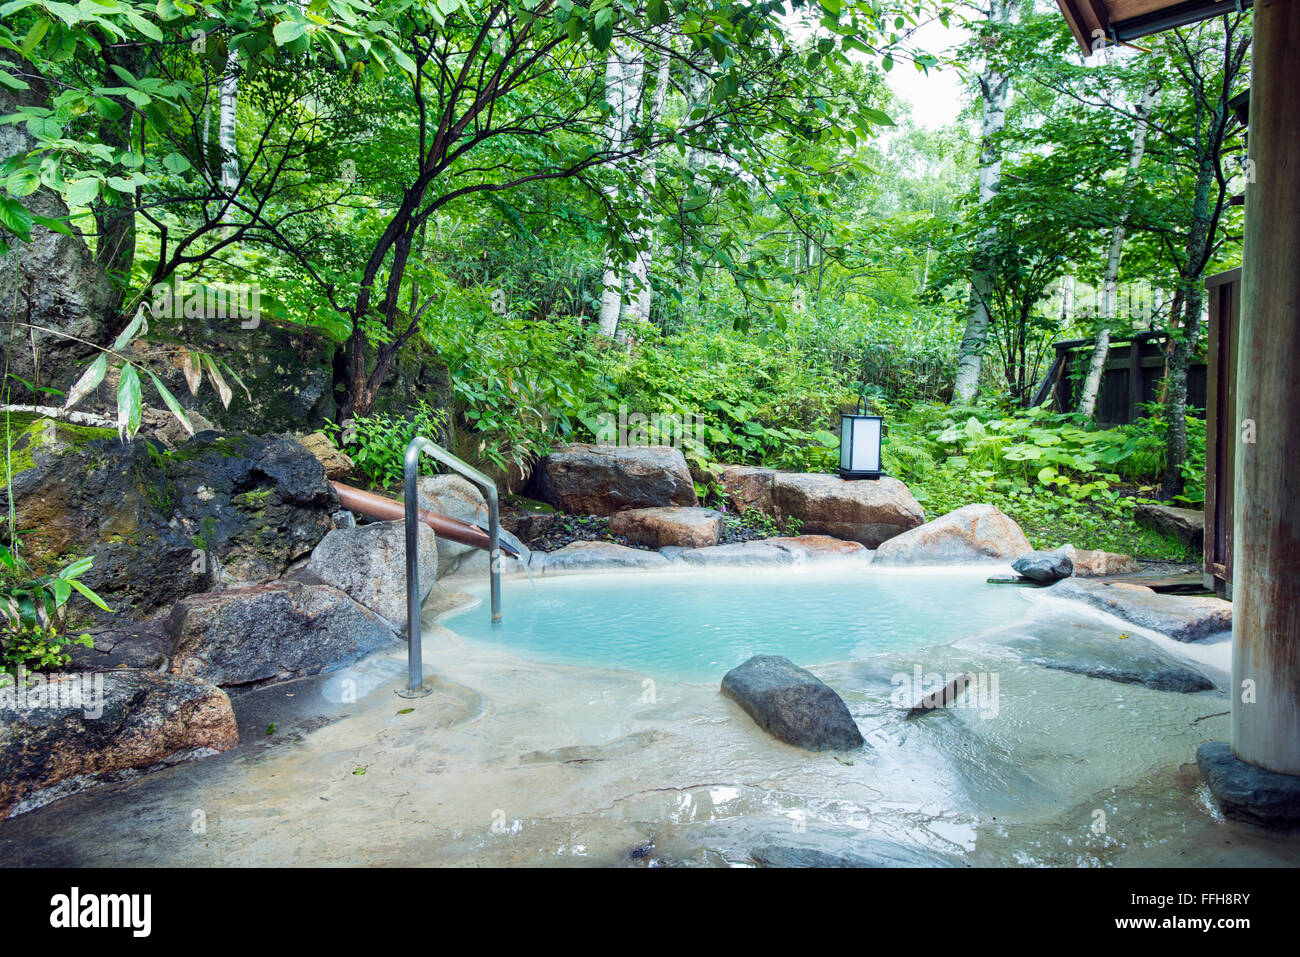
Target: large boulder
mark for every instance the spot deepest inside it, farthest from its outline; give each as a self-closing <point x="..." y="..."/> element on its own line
<point x="868" y="512"/>
<point x="455" y="497"/>
<point x="219" y="510"/>
<point x="603" y="479"/>
<point x="748" y="486"/>
<point x="792" y="704"/>
<point x="125" y="644"/>
<point x="1044" y="567"/>
<point x="123" y="720"/>
<point x="368" y="562"/>
<point x="1185" y="524"/>
<point x="266" y="632"/>
<point x="1181" y="617"/>
<point x="970" y="534"/>
<point x="657" y="527"/>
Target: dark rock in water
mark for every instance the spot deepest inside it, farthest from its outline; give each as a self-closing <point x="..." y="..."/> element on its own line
<point x="872" y="854"/>
<point x="792" y="704"/>
<point x="266" y="632"/>
<point x="941" y="698"/>
<point x="1185" y="524"/>
<point x="232" y="509"/>
<point x="122" y="720"/>
<point x="1044" y="566"/>
<point x="1181" y="617"/>
<point x="1247" y="792"/>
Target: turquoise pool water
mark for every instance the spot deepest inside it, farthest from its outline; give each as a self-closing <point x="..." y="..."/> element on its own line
<point x="696" y="626"/>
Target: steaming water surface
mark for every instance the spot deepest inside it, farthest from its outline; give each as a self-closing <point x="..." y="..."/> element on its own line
<point x="694" y="627"/>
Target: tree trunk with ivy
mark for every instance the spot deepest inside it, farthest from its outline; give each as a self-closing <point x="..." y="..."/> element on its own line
<point x="115" y="214"/>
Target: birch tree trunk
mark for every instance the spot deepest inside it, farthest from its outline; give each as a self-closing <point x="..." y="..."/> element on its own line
<point x="995" y="87"/>
<point x="697" y="86"/>
<point x="619" y="69"/>
<point x="229" y="94"/>
<point x="1067" y="299"/>
<point x="639" y="292"/>
<point x="1097" y="363"/>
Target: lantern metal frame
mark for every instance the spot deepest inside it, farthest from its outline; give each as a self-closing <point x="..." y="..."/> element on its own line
<point x="849" y="432"/>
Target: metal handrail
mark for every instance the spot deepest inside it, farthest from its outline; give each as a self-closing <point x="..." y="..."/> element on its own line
<point x="416" y="688"/>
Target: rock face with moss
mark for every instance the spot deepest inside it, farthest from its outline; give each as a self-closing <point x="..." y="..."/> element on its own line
<point x="218" y="510"/>
<point x="125" y="721"/>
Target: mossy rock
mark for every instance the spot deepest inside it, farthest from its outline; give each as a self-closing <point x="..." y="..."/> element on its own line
<point x="28" y="432"/>
<point x="160" y="525"/>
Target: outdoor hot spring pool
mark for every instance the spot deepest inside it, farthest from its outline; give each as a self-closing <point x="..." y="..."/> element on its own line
<point x="696" y="626"/>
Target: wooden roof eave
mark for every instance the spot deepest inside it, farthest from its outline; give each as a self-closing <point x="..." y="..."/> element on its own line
<point x="1090" y="20"/>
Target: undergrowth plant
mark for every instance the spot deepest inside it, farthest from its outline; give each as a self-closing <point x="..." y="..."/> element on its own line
<point x="377" y="443"/>
<point x="1059" y="479"/>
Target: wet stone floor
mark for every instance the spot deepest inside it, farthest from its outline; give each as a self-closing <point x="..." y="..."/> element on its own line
<point x="512" y="762"/>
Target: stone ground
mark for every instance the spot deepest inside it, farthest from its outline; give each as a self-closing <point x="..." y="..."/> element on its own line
<point x="513" y="762"/>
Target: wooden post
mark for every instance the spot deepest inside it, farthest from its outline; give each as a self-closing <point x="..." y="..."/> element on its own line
<point x="1134" y="377"/>
<point x="1266" y="608"/>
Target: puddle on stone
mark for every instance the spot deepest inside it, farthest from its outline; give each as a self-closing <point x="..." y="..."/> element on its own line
<point x="362" y="679"/>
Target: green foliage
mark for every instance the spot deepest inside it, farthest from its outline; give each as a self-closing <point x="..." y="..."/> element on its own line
<point x="33" y="609"/>
<point x="755" y="524"/>
<point x="377" y="443"/>
<point x="1061" y="480"/>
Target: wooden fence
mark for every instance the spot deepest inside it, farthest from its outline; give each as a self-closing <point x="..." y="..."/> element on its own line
<point x="1131" y="376"/>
